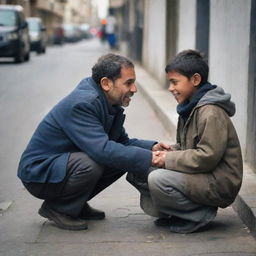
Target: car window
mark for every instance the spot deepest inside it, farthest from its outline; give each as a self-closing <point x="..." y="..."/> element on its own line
<point x="33" y="26"/>
<point x="7" y="18"/>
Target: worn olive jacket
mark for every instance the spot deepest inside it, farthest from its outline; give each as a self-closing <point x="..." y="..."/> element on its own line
<point x="208" y="151"/>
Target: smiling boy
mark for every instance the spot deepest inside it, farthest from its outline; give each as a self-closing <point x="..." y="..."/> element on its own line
<point x="203" y="170"/>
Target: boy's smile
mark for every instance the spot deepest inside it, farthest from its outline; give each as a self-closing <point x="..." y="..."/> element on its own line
<point x="181" y="87"/>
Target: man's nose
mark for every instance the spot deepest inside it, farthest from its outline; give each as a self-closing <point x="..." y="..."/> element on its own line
<point x="134" y="88"/>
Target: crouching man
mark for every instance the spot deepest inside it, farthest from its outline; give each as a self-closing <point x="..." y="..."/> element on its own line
<point x="81" y="146"/>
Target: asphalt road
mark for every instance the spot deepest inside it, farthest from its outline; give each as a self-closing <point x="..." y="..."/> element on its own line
<point x="27" y="93"/>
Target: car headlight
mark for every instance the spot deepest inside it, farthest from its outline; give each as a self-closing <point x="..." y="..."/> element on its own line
<point x="11" y="36"/>
<point x="34" y="37"/>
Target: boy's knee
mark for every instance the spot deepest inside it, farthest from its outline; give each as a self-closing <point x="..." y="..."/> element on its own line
<point x="159" y="186"/>
<point x="155" y="180"/>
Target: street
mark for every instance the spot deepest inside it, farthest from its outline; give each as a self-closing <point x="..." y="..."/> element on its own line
<point x="27" y="92"/>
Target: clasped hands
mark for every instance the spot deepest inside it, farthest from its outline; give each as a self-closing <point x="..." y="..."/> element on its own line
<point x="159" y="153"/>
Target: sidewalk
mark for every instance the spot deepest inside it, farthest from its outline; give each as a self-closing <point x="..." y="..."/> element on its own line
<point x="165" y="107"/>
<point x="127" y="230"/>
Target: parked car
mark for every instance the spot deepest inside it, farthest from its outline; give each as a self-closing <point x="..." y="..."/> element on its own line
<point x="71" y="33"/>
<point x="14" y="35"/>
<point x="37" y="32"/>
<point x="85" y="31"/>
<point x="58" y="35"/>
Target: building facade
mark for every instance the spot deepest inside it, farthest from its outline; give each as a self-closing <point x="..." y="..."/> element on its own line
<point x="78" y="12"/>
<point x="225" y="31"/>
<point x="54" y="13"/>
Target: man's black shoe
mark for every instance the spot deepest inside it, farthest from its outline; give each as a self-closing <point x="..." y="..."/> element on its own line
<point x="61" y="220"/>
<point x="89" y="213"/>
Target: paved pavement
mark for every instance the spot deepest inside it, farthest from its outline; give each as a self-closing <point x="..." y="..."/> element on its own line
<point x="126" y="229"/>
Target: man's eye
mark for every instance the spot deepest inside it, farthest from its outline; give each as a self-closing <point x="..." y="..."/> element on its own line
<point x="129" y="83"/>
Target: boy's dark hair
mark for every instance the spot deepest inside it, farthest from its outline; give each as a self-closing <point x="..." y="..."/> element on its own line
<point x="188" y="63"/>
<point x="109" y="66"/>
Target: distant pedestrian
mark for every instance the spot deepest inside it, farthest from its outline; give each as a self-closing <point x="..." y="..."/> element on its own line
<point x="81" y="146"/>
<point x="203" y="171"/>
<point x="111" y="30"/>
<point x="102" y="31"/>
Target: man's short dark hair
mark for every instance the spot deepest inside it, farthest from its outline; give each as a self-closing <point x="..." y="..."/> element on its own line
<point x="187" y="63"/>
<point x="109" y="66"/>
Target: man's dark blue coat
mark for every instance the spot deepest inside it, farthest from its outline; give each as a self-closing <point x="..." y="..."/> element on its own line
<point x="82" y="122"/>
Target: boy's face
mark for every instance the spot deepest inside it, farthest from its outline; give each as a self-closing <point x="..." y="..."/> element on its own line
<point x="181" y="87"/>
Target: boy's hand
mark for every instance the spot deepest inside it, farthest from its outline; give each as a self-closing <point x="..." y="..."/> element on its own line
<point x="158" y="159"/>
<point x="161" y="146"/>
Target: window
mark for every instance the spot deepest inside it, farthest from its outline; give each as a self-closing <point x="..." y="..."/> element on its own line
<point x="8" y="18"/>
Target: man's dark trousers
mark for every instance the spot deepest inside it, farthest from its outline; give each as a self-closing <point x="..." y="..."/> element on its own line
<point x="84" y="179"/>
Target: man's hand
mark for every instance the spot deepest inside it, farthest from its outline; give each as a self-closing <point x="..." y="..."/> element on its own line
<point x="161" y="146"/>
<point x="158" y="158"/>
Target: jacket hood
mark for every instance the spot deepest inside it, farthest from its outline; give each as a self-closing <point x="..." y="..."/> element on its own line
<point x="218" y="97"/>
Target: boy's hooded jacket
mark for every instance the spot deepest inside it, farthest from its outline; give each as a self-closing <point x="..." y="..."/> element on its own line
<point x="208" y="151"/>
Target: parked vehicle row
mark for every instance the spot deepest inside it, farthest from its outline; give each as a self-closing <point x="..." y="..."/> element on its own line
<point x="70" y="33"/>
<point x="74" y="33"/>
<point x="14" y="35"/>
<point x="19" y="36"/>
<point x="37" y="33"/>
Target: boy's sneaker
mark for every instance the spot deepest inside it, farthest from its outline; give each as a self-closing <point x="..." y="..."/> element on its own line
<point x="179" y="225"/>
<point x="163" y="222"/>
<point x="61" y="220"/>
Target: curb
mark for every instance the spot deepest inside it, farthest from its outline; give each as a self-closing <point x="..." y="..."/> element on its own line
<point x="245" y="203"/>
<point x="165" y="107"/>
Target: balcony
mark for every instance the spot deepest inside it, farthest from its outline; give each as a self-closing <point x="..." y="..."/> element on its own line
<point x="51" y="6"/>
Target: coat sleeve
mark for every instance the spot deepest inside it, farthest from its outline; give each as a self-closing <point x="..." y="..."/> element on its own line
<point x="124" y="139"/>
<point x="212" y="135"/>
<point x="84" y="128"/>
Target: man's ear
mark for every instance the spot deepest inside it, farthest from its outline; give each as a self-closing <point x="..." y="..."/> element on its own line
<point x="105" y="84"/>
<point x="196" y="79"/>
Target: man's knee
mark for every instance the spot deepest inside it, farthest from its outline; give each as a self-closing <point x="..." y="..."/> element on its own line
<point x="81" y="164"/>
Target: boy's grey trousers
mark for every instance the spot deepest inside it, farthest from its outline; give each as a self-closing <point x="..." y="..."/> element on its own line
<point x="163" y="195"/>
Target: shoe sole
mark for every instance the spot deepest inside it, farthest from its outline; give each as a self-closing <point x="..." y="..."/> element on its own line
<point x="46" y="213"/>
<point x="102" y="217"/>
<point x="163" y="222"/>
<point x="193" y="229"/>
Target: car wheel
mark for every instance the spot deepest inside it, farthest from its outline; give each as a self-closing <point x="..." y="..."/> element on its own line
<point x="39" y="49"/>
<point x="27" y="57"/>
<point x="19" y="58"/>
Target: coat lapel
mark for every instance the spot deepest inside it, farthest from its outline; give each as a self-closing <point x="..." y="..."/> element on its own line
<point x="117" y="125"/>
